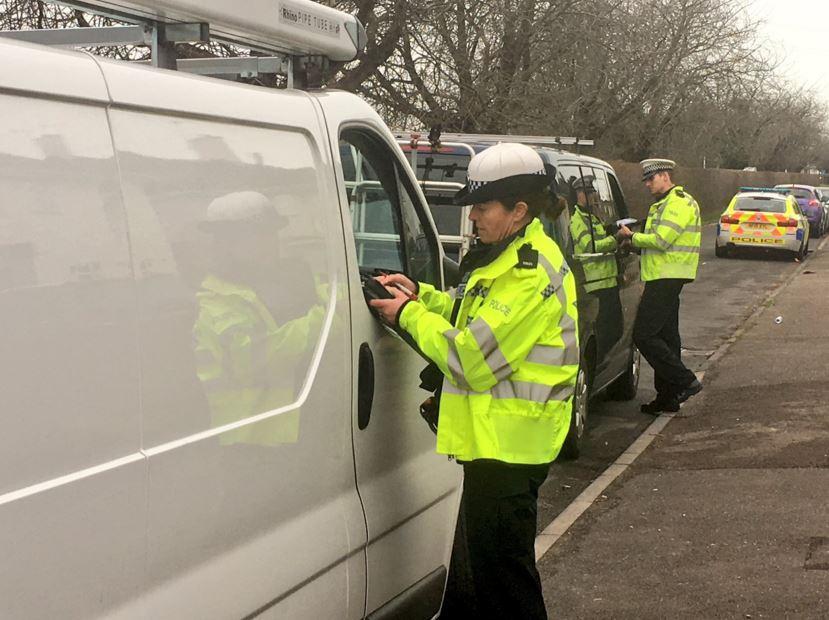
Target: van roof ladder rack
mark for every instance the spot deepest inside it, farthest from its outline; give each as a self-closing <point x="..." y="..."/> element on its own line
<point x="296" y="36"/>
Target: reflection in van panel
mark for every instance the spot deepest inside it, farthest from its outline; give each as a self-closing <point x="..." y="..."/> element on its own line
<point x="254" y="249"/>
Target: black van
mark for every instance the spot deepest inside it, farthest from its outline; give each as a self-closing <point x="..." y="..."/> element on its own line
<point x="607" y="278"/>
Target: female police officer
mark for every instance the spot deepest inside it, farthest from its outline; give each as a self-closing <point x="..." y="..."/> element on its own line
<point x="507" y="346"/>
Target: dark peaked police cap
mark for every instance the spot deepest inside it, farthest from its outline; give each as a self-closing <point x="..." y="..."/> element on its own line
<point x="505" y="169"/>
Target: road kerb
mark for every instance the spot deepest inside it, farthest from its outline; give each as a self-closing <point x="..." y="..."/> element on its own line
<point x="559" y="526"/>
<point x="578" y="506"/>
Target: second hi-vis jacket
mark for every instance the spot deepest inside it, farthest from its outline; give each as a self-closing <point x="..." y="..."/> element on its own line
<point x="670" y="243"/>
<point x="511" y="359"/>
<point x="600" y="272"/>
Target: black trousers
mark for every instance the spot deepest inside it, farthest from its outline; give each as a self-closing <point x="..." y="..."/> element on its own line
<point x="656" y="335"/>
<point x="493" y="572"/>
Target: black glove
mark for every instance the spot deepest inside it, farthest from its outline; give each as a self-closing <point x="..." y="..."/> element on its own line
<point x="429" y="412"/>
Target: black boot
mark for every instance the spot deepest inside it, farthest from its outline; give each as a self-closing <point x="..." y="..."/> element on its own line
<point x="688" y="392"/>
<point x="660" y="405"/>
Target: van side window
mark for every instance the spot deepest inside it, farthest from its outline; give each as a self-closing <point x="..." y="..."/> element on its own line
<point x="374" y="219"/>
<point x="606" y="206"/>
<point x="559" y="230"/>
<point x="578" y="187"/>
<point x="618" y="196"/>
<point x="388" y="226"/>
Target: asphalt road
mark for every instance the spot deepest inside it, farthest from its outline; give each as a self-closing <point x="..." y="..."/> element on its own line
<point x="724" y="295"/>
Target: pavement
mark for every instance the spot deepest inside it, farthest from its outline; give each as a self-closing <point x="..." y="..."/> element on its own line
<point x="726" y="513"/>
<point x="725" y="294"/>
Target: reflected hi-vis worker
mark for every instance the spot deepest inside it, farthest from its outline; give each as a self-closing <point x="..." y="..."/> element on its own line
<point x="245" y="360"/>
<point x="507" y="346"/>
<point x="670" y="255"/>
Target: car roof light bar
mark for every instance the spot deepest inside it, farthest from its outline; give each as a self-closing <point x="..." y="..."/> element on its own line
<point x="765" y="190"/>
<point x="495" y="138"/>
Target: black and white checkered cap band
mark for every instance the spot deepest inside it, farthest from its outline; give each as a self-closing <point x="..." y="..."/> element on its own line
<point x="654" y="168"/>
<point x="476" y="185"/>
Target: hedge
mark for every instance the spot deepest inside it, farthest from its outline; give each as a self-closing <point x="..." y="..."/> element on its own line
<point x="713" y="188"/>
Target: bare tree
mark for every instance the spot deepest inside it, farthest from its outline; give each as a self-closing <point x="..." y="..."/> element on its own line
<point x="682" y="77"/>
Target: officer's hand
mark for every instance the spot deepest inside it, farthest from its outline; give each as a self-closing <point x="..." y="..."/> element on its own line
<point x="397" y="278"/>
<point x="624" y="233"/>
<point x="389" y="308"/>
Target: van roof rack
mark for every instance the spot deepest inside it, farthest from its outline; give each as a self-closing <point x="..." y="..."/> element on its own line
<point x="298" y="34"/>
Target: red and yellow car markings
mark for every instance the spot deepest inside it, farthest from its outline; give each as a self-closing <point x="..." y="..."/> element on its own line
<point x="760" y="227"/>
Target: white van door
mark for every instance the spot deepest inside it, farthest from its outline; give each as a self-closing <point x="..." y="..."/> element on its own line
<point x="409" y="493"/>
<point x="72" y="477"/>
<point x="243" y="324"/>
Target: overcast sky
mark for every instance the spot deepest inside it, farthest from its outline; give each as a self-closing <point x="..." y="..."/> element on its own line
<point x="799" y="30"/>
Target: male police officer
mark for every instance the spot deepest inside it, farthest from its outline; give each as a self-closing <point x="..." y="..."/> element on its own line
<point x="507" y="346"/>
<point x="670" y="254"/>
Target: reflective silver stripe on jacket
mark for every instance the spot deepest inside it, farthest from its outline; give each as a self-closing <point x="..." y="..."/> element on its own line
<point x="584" y="233"/>
<point x="660" y="241"/>
<point x="568" y="329"/>
<point x="556" y="286"/>
<point x="449" y="388"/>
<point x="673" y="225"/>
<point x="533" y="392"/>
<point x="453" y="359"/>
<point x="556" y="276"/>
<point x="568" y="326"/>
<point x="488" y="346"/>
<point x="549" y="355"/>
<point x="523" y="390"/>
<point x="687" y="249"/>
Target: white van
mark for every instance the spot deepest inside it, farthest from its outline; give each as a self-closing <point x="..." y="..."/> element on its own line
<point x="202" y="417"/>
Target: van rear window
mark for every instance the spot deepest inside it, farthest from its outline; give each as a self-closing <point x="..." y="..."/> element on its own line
<point x="761" y="203"/>
<point x="442" y="167"/>
<point x="797" y="192"/>
<point x="447" y="217"/>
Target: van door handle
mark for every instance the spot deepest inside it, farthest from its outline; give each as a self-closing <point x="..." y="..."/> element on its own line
<point x="365" y="386"/>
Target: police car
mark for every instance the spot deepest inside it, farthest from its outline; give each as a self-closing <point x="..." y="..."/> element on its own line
<point x="760" y="217"/>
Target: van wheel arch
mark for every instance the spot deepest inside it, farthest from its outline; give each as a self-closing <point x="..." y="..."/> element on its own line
<point x="572" y="447"/>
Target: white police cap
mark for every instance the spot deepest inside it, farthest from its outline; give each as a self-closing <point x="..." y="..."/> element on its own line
<point x="651" y="166"/>
<point x="502" y="170"/>
<point x="584" y="183"/>
<point x="245" y="207"/>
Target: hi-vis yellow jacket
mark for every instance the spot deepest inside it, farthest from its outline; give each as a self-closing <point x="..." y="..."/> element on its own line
<point x="600" y="272"/>
<point x="511" y="359"/>
<point x="670" y="243"/>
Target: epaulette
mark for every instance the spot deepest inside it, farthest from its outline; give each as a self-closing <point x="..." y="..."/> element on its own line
<point x="527" y="257"/>
<point x="680" y="193"/>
